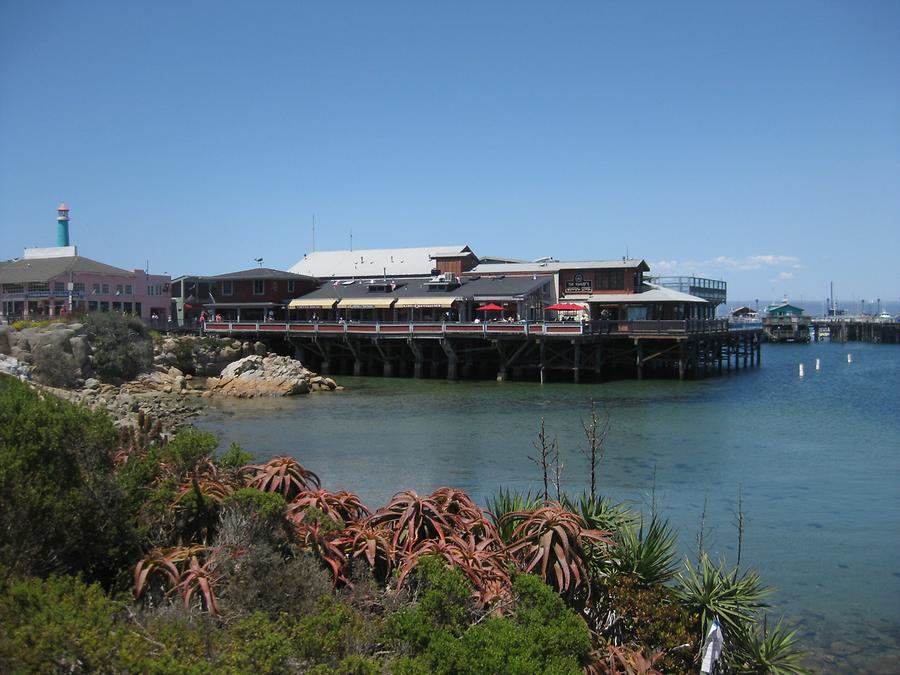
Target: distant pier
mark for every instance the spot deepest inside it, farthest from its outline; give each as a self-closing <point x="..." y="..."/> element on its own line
<point x="529" y="351"/>
<point x="857" y="330"/>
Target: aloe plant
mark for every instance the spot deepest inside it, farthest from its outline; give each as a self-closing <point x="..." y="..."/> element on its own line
<point x="413" y="518"/>
<point x="550" y="541"/>
<point x="342" y="506"/>
<point x="714" y="591"/>
<point x="600" y="512"/>
<point x="284" y="475"/>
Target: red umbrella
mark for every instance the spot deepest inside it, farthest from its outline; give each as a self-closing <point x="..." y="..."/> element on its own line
<point x="489" y="308"/>
<point x="565" y="307"/>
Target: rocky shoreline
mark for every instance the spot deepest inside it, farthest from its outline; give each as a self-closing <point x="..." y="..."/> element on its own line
<point x="168" y="393"/>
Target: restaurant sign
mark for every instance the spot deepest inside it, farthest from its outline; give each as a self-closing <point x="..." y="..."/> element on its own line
<point x="578" y="284"/>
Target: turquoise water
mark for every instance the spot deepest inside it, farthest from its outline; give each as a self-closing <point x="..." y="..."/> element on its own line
<point x="816" y="460"/>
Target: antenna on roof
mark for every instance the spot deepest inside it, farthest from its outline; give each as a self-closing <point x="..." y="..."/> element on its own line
<point x="258" y="261"/>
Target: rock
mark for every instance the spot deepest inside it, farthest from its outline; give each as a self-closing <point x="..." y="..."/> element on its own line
<point x="81" y="350"/>
<point x="256" y="375"/>
<point x="260" y="349"/>
<point x="92" y="383"/>
<point x="175" y="373"/>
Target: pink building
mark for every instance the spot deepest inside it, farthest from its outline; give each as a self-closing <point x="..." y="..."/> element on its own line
<point x="53" y="281"/>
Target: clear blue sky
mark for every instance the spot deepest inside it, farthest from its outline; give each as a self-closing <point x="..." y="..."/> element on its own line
<point x="757" y="142"/>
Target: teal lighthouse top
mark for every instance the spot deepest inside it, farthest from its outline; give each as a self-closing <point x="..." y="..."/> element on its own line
<point x="62" y="225"/>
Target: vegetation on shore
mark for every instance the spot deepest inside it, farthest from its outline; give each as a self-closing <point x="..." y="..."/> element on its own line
<point x="125" y="553"/>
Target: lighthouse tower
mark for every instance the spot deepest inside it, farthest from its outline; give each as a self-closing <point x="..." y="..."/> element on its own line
<point x="62" y="225"/>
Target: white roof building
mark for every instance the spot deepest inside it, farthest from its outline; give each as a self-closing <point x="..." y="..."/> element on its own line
<point x="376" y="262"/>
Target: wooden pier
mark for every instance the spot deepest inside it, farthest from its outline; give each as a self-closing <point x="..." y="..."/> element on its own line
<point x="530" y="351"/>
<point x="858" y="330"/>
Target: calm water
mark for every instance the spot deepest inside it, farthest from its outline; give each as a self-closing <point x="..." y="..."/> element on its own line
<point x="817" y="461"/>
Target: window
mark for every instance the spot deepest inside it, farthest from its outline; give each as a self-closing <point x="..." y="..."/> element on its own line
<point x="78" y="287"/>
<point x="105" y="290"/>
<point x="38" y="286"/>
<point x="290" y="285"/>
<point x="95" y="289"/>
<point x="59" y="287"/>
<point x="13" y="288"/>
<point x="129" y="290"/>
<point x="259" y="287"/>
<point x="118" y="289"/>
<point x="227" y="287"/>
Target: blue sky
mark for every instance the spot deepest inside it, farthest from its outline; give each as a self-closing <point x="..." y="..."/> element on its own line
<point x="755" y="142"/>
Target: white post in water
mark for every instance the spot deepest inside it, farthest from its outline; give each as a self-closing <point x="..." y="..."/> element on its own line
<point x="849" y="358"/>
<point x="801" y="370"/>
<point x="817" y="364"/>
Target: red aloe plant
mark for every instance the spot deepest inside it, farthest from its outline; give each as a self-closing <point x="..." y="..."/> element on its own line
<point x="549" y="541"/>
<point x="199" y="579"/>
<point x="343" y="506"/>
<point x="624" y="661"/>
<point x="326" y="547"/>
<point x="374" y="544"/>
<point x="284" y="475"/>
<point x="216" y="490"/>
<point x="413" y="519"/>
<point x="165" y="560"/>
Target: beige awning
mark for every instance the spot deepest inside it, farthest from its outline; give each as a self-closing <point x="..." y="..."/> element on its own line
<point x="312" y="303"/>
<point x="366" y="303"/>
<point x="442" y="302"/>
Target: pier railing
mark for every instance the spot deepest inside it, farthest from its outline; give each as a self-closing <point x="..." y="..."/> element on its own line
<point x="642" y="328"/>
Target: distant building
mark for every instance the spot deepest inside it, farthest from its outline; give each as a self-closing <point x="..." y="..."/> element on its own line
<point x="54" y="281"/>
<point x="784" y="309"/>
<point x="248" y="295"/>
<point x="613" y="289"/>
<point x="386" y="262"/>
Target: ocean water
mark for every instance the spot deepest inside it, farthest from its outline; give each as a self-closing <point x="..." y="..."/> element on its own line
<point x="816" y="461"/>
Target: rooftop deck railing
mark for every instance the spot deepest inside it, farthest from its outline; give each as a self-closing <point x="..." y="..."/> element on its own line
<point x="486" y="330"/>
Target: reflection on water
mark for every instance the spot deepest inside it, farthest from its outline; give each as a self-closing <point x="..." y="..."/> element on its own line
<point x="814" y="458"/>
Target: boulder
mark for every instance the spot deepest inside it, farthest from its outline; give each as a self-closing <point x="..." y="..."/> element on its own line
<point x="256" y="375"/>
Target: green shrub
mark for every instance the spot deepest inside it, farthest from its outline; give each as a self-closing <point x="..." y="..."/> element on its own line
<point x="332" y="632"/>
<point x="54" y="367"/>
<point x="440" y="634"/>
<point x="61" y="509"/>
<point x="121" y="346"/>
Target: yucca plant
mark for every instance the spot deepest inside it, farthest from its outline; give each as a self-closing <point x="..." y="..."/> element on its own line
<point x="600" y="512"/>
<point x="506" y="502"/>
<point x="550" y="541"/>
<point x="710" y="591"/>
<point x="649" y="555"/>
<point x="759" y="650"/>
<point x="284" y="475"/>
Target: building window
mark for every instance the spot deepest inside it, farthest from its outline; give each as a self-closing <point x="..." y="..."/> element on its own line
<point x="78" y="287"/>
<point x="105" y="290"/>
<point x="13" y="288"/>
<point x="38" y="286"/>
<point x="227" y="288"/>
<point x="259" y="287"/>
<point x="59" y="287"/>
<point x="290" y="285"/>
<point x="95" y="289"/>
<point x="118" y="289"/>
<point x="129" y="290"/>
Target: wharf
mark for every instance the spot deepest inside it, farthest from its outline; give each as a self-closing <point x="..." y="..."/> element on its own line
<point x="858" y="330"/>
<point x="573" y="351"/>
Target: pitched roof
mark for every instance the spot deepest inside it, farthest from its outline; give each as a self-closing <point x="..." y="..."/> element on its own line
<point x="374" y="262"/>
<point x="545" y="266"/>
<point x="41" y="269"/>
<point x="261" y="273"/>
